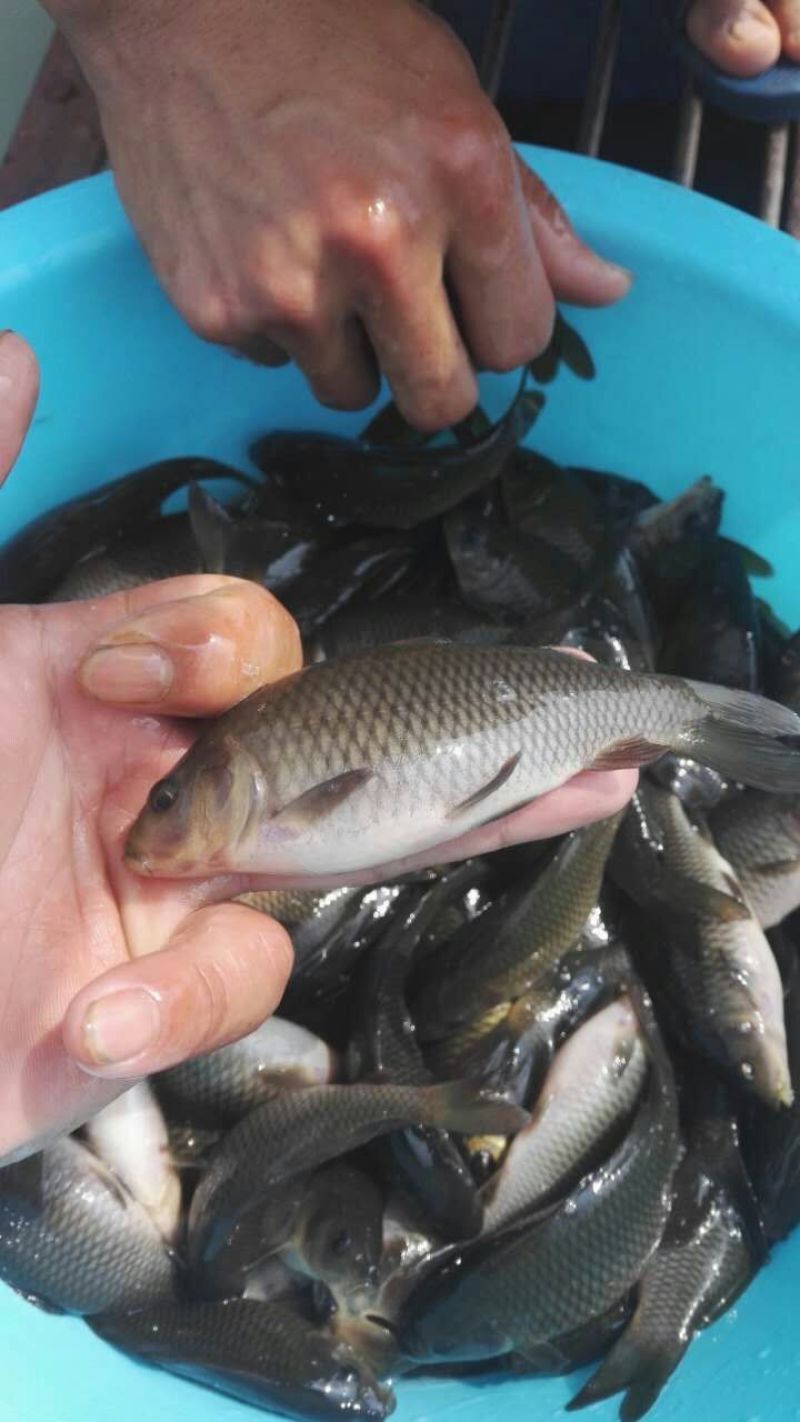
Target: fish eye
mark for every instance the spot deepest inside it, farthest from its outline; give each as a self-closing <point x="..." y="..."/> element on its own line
<point x="163" y="796"/>
<point x="341" y="1242"/>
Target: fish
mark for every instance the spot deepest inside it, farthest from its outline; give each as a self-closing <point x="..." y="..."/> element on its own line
<point x="587" y="1099"/>
<point x="770" y="1139"/>
<point x="424" y="1160"/>
<point x="334" y="579"/>
<point x="130" y="1135"/>
<point x="302" y="1130"/>
<point x="165" y="549"/>
<point x="784" y="683"/>
<point x="38" y="558"/>
<point x="695" y="513"/>
<point x="660" y="868"/>
<point x="337" y="1235"/>
<point x="359" y="763"/>
<point x="557" y="1271"/>
<point x="759" y="835"/>
<point x="220" y="1087"/>
<point x="272" y="552"/>
<point x="397" y="619"/>
<point x="715" y="633"/>
<point x="619" y="499"/>
<point x="511" y="947"/>
<point x="506" y="573"/>
<point x="338" y="478"/>
<point x="717" y="975"/>
<point x="712" y="1247"/>
<point x="261" y="1353"/>
<point x="696" y="786"/>
<point x="72" y="1235"/>
<point x="566" y="347"/>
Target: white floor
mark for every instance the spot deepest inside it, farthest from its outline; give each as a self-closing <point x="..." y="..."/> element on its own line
<point x="25" y="31"/>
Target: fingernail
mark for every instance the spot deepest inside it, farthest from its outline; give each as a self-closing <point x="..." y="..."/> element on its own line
<point x="129" y="673"/>
<point x="118" y="1028"/>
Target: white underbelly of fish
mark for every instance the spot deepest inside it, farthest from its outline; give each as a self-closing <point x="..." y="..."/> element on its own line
<point x="398" y="813"/>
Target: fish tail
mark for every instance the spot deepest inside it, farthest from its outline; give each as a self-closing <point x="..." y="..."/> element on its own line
<point x="739" y="738"/>
<point x="637" y="1366"/>
<point x="470" y="1109"/>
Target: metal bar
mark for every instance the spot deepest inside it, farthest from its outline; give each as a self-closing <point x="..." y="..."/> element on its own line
<point x="593" y="117"/>
<point x="774" y="179"/>
<point x="791" y="219"/>
<point x="687" y="143"/>
<point x="495" y="44"/>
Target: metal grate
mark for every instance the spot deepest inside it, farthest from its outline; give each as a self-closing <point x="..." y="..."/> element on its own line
<point x="777" y="156"/>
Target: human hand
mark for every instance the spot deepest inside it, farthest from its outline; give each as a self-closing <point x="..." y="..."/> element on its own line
<point x="84" y="732"/>
<point x="327" y="182"/>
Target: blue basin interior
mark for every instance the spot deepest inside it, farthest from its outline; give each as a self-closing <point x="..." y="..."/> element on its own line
<point x="697" y="374"/>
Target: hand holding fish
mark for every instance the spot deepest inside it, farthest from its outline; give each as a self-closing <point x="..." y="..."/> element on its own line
<point x="328" y="184"/>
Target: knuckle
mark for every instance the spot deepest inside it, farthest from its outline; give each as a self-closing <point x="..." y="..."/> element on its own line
<point x="209" y="997"/>
<point x="373" y="232"/>
<point x="212" y="317"/>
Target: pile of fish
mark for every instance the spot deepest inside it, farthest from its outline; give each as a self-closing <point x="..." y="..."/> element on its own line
<point x="530" y="1111"/>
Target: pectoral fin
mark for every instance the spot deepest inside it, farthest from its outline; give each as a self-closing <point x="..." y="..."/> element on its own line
<point x="504" y="773"/>
<point x="322" y="799"/>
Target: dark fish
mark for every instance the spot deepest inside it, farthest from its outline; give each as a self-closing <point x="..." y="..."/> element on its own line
<point x="222" y="1086"/>
<point x="302" y="1130"/>
<point x="567" y="347"/>
<point x="425" y="1159"/>
<point x="547" y="1276"/>
<point x="716" y="976"/>
<point x="504" y="572"/>
<point x="771" y="1140"/>
<point x="264" y="1354"/>
<point x="337" y="1234"/>
<point x="72" y="1235"/>
<point x="647" y="863"/>
<point x="40" y="556"/>
<point x="784" y="684"/>
<point x="373" y="564"/>
<point x="694" y="514"/>
<point x="366" y="761"/>
<point x="266" y="551"/>
<point x="715" y="633"/>
<point x="552" y="503"/>
<point x="712" y="1247"/>
<point x="396" y="619"/>
<point x="619" y="499"/>
<point x="759" y="835"/>
<point x="393" y="487"/>
<point x="164" y="549"/>
<point x="516" y="943"/>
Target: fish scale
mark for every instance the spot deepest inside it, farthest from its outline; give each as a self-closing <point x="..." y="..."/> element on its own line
<point x="358" y="763"/>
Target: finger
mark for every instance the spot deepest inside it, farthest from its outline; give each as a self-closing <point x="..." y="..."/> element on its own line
<point x="222" y="973"/>
<point x="422" y="355"/>
<point x="337" y="362"/>
<point x="740" y="36"/>
<point x="787" y="16"/>
<point x="192" y="656"/>
<point x="19" y="390"/>
<point x="504" y="302"/>
<point x="575" y="272"/>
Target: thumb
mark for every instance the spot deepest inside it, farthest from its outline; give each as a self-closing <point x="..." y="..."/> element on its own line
<point x="222" y="973"/>
<point x="19" y="390"/>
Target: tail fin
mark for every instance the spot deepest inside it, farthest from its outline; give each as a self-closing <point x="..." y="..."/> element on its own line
<point x="632" y="1367"/>
<point x="469" y="1109"/>
<point x="739" y="738"/>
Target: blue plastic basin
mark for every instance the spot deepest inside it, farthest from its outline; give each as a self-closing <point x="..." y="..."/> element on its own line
<point x="698" y="374"/>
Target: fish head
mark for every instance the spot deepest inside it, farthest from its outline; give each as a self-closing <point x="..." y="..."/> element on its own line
<point x="341" y="1234"/>
<point x="197" y="816"/>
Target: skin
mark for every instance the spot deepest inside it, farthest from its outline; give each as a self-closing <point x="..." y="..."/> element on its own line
<point x="182" y="971"/>
<point x="745" y="37"/>
<point x="327" y="182"/>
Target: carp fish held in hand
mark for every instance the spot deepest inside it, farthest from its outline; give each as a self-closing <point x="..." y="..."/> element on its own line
<point x="354" y="764"/>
